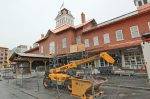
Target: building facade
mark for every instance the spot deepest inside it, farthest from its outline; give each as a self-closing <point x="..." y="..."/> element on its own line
<point x="120" y="36"/>
<point x="20" y="49"/>
<point x="3" y="57"/>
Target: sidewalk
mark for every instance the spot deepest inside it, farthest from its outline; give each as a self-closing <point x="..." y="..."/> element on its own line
<point x="133" y="82"/>
<point x="34" y="88"/>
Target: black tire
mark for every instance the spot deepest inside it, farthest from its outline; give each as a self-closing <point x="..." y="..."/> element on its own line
<point x="46" y="83"/>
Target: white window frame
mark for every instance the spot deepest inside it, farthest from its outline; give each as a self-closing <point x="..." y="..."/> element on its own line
<point x="42" y="49"/>
<point x="86" y="42"/>
<point x="52" y="47"/>
<point x="132" y="34"/>
<point x="78" y="39"/>
<point x="119" y="33"/>
<point x="64" y="43"/>
<point x="106" y="38"/>
<point x="149" y="25"/>
<point x="95" y="40"/>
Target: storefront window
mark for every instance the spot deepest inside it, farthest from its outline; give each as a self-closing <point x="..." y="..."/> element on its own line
<point x="134" y="58"/>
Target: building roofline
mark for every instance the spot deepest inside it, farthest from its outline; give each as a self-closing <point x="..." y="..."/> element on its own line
<point x="69" y="27"/>
<point x="4" y="47"/>
<point x="113" y="20"/>
<point x="117" y="19"/>
<point x="28" y="55"/>
<point x="32" y="49"/>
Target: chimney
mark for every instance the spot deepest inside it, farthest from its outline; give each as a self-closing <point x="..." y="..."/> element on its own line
<point x="83" y="18"/>
<point x="42" y="36"/>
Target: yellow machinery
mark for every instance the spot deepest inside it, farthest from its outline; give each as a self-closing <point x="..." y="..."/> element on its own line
<point x="78" y="86"/>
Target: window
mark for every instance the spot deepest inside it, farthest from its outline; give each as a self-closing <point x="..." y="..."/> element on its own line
<point x="41" y="49"/>
<point x="52" y="47"/>
<point x="106" y="38"/>
<point x="64" y="42"/>
<point x="1" y="54"/>
<point x="145" y="1"/>
<point x="119" y="35"/>
<point x="149" y="25"/>
<point x="86" y="42"/>
<point x="140" y="3"/>
<point x="134" y="31"/>
<point x="78" y="39"/>
<point x="95" y="41"/>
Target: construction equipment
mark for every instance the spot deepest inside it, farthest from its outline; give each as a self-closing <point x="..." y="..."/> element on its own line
<point x="79" y="86"/>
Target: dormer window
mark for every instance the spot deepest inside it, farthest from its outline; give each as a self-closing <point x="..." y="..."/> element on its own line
<point x="145" y="1"/>
<point x="139" y="3"/>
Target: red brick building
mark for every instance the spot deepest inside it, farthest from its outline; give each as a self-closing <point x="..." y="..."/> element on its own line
<point x="120" y="36"/>
<point x="3" y="57"/>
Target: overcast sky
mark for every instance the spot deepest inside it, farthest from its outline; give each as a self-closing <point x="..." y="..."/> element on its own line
<point x="23" y="21"/>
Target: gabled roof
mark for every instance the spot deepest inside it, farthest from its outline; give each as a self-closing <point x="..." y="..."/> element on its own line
<point x="62" y="28"/>
<point x="117" y="19"/>
<point x="83" y="24"/>
<point x="28" y="55"/>
<point x="65" y="27"/>
<point x="111" y="21"/>
<point x="46" y="36"/>
<point x="4" y="47"/>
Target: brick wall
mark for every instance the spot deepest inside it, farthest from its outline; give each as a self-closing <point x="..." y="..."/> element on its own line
<point x="141" y="20"/>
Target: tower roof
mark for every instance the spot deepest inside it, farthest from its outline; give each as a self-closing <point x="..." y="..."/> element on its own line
<point x="64" y="11"/>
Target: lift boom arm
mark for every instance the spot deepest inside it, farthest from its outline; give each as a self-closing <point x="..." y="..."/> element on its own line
<point x="75" y="63"/>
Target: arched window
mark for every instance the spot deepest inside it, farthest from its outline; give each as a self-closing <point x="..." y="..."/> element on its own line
<point x="140" y="3"/>
<point x="145" y="1"/>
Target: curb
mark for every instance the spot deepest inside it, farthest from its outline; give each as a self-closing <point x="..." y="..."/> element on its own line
<point x="129" y="87"/>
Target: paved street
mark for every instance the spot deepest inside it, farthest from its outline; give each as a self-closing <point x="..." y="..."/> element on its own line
<point x="7" y="92"/>
<point x="124" y="93"/>
<point x="30" y="89"/>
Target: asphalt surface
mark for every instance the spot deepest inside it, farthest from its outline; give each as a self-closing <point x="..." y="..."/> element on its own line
<point x="31" y="90"/>
<point x="7" y="92"/>
<point x="124" y="93"/>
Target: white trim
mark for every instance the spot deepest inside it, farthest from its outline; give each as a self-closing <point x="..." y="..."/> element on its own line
<point x="149" y="25"/>
<point x="106" y="38"/>
<point x="52" y="47"/>
<point x="117" y="38"/>
<point x="42" y="49"/>
<point x="64" y="43"/>
<point x="118" y="18"/>
<point x="78" y="40"/>
<point x="95" y="40"/>
<point x="132" y="35"/>
<point x="142" y="2"/>
<point x="87" y="42"/>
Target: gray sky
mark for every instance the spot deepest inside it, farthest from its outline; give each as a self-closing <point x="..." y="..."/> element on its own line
<point x="22" y="21"/>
